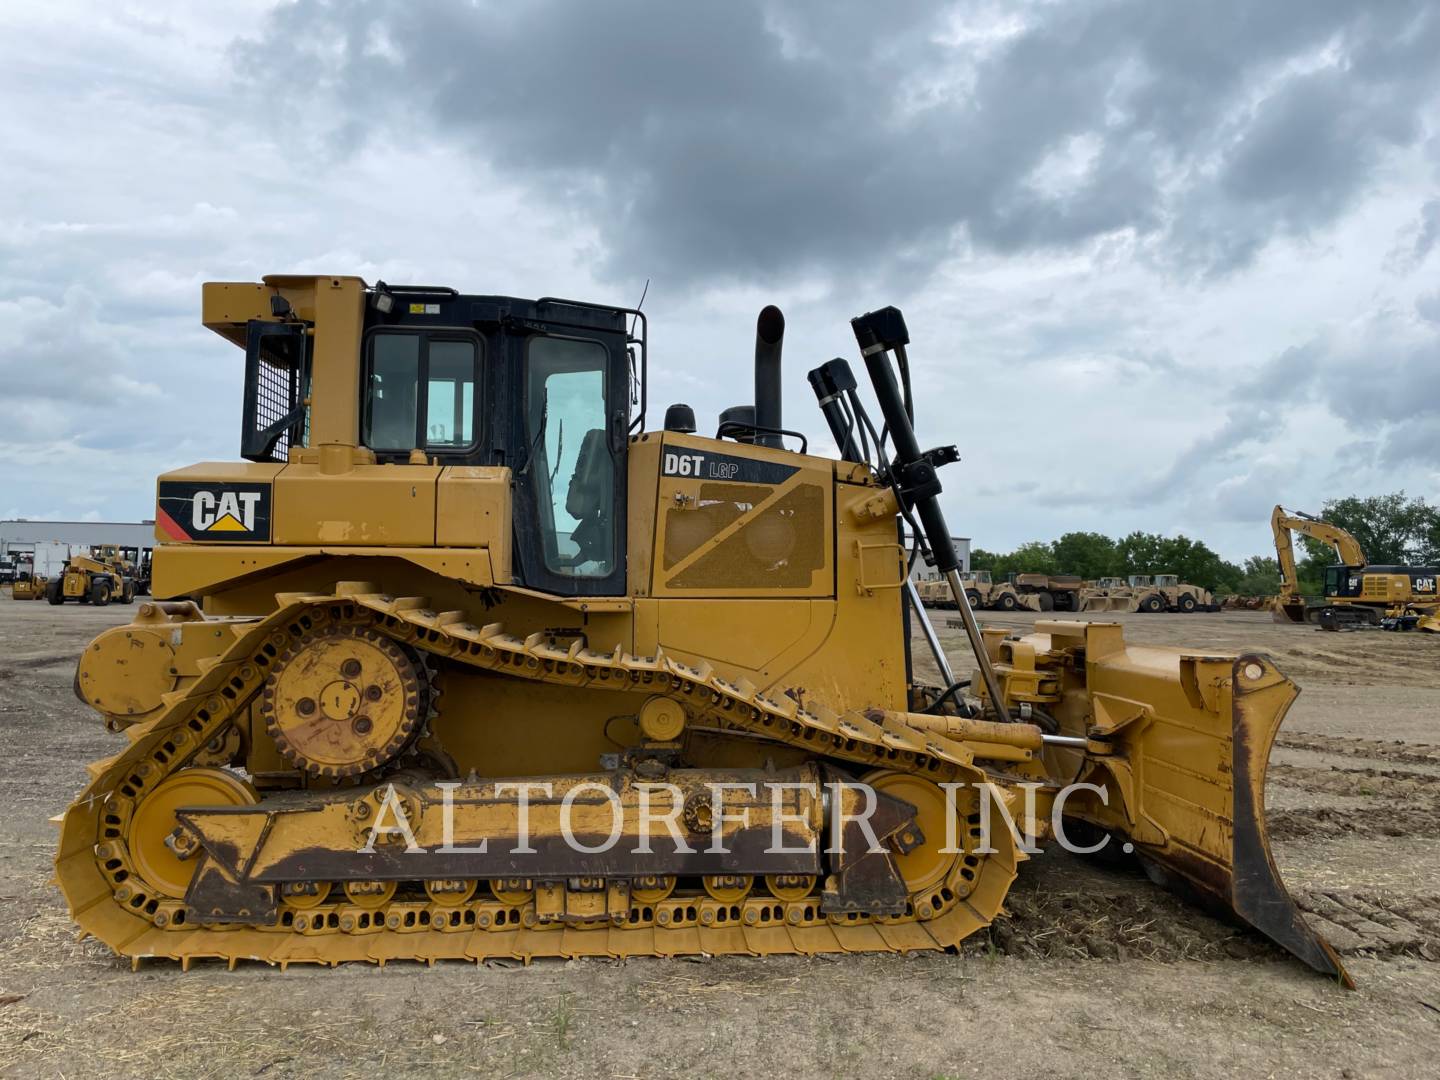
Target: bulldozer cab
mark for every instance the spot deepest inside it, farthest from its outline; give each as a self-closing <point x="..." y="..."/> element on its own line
<point x="540" y="387"/>
<point x="543" y="387"/>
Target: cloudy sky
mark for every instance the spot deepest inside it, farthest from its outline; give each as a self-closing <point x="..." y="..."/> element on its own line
<point x="1163" y="265"/>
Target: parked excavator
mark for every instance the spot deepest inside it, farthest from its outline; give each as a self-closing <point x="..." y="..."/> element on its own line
<point x="461" y="626"/>
<point x="1355" y="593"/>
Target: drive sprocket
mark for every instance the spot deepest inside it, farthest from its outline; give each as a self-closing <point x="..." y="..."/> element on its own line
<point x="344" y="701"/>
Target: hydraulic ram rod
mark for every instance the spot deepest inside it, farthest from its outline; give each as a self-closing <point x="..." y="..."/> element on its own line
<point x="941" y="660"/>
<point x="913" y="473"/>
<point x="977" y="643"/>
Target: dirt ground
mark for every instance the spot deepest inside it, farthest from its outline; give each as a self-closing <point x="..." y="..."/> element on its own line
<point x="1095" y="973"/>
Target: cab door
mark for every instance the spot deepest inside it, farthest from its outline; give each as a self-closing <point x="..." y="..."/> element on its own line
<point x="570" y="462"/>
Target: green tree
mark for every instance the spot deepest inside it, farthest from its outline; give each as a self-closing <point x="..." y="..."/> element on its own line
<point x="1430" y="542"/>
<point x="980" y="559"/>
<point x="1260" y="576"/>
<point x="1092" y="555"/>
<point x="1393" y="529"/>
<point x="1035" y="557"/>
<point x="1089" y="554"/>
<point x="1195" y="563"/>
<point x="1140" y="553"/>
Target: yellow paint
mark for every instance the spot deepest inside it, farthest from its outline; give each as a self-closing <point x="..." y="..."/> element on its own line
<point x="760" y="630"/>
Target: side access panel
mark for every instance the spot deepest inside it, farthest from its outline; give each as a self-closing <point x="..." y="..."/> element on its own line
<point x="741" y="521"/>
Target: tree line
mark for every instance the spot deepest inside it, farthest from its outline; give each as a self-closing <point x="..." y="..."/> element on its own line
<point x="1392" y="529"/>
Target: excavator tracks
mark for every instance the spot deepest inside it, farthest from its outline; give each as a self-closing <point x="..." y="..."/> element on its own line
<point x="111" y="899"/>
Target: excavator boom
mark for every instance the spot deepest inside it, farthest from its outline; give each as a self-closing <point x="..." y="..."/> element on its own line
<point x="1288" y="605"/>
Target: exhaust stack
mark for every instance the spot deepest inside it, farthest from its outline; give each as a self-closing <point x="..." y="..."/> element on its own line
<point x="769" y="339"/>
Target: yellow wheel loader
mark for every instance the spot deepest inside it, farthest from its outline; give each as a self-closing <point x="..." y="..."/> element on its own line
<point x="484" y="666"/>
<point x="1145" y="592"/>
<point x="984" y="592"/>
<point x="128" y="563"/>
<point x="934" y="593"/>
<point x="1182" y="596"/>
<point x="1107" y="594"/>
<point x="980" y="590"/>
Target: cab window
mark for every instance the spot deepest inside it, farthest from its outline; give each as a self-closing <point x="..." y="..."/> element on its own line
<point x="570" y="460"/>
<point x="450" y="395"/>
<point x="420" y="392"/>
<point x="1341" y="581"/>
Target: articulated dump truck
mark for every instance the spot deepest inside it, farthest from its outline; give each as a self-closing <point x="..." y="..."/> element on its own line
<point x="463" y="660"/>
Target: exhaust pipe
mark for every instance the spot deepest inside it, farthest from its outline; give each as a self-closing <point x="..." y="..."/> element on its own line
<point x="769" y="338"/>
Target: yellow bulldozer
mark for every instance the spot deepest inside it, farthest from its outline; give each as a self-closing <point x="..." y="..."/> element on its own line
<point x="482" y="665"/>
<point x="1356" y="594"/>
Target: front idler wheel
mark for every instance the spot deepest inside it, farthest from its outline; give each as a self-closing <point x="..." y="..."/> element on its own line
<point x="154" y="821"/>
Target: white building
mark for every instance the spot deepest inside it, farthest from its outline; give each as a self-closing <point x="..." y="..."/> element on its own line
<point x="921" y="572"/>
<point x="20" y="537"/>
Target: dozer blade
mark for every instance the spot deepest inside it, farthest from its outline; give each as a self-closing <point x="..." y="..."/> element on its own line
<point x="1189" y="739"/>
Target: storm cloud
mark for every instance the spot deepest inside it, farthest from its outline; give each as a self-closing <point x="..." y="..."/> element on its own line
<point x="758" y="141"/>
<point x="1164" y="265"/>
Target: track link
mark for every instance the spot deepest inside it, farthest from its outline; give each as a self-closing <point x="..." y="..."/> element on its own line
<point x="111" y="901"/>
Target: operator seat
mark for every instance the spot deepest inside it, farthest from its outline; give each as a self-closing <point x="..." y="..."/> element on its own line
<point x="590" y="498"/>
